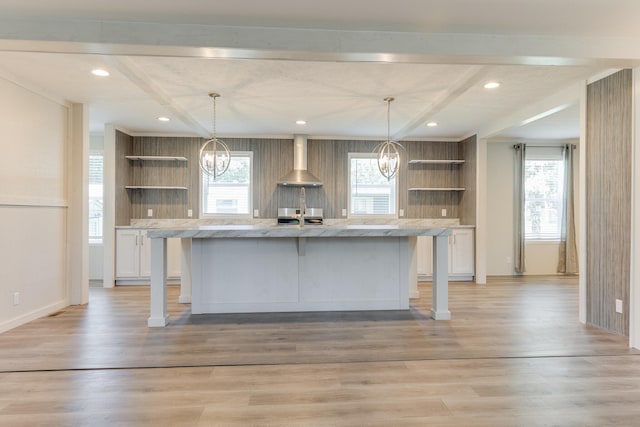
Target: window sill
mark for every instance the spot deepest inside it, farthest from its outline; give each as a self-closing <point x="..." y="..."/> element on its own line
<point x="542" y="241"/>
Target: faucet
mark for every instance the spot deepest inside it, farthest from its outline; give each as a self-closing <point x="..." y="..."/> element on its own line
<point x="303" y="205"/>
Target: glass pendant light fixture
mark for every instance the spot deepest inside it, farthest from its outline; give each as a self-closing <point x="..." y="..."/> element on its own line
<point x="388" y="152"/>
<point x="214" y="153"/>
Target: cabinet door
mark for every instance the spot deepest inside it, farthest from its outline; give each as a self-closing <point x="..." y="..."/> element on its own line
<point x="174" y="258"/>
<point x="127" y="253"/>
<point x="462" y="260"/>
<point x="425" y="260"/>
<point x="145" y="254"/>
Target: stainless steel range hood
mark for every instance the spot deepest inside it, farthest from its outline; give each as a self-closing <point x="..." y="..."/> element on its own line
<point x="300" y="176"/>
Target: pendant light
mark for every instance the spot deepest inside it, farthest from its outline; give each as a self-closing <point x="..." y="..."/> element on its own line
<point x="388" y="152"/>
<point x="214" y="154"/>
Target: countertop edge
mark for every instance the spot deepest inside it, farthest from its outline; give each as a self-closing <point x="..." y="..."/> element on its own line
<point x="212" y="232"/>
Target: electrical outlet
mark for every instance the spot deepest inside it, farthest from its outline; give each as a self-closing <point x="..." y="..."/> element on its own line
<point x="149" y="213"/>
<point x="190" y="213"/>
<point x="16" y="298"/>
<point x="444" y="212"/>
<point x="256" y="213"/>
<point x="508" y="260"/>
<point x="344" y="212"/>
<point x="618" y="306"/>
<point x="401" y="212"/>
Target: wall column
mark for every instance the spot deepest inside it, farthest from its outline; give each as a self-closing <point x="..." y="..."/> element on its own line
<point x="634" y="300"/>
<point x="582" y="209"/>
<point x="109" y="205"/>
<point x="78" y="215"/>
<point x="481" y="213"/>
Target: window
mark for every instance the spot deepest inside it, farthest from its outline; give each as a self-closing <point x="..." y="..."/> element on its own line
<point x="229" y="194"/>
<point x="96" y="210"/>
<point x="544" y="192"/>
<point x="370" y="192"/>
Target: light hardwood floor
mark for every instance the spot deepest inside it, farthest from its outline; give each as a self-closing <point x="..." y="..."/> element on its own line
<point x="513" y="354"/>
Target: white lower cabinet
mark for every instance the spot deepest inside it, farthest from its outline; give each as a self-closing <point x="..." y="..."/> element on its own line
<point x="461" y="255"/>
<point x="133" y="257"/>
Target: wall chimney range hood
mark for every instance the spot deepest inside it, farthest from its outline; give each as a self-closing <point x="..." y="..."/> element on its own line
<point x="300" y="176"/>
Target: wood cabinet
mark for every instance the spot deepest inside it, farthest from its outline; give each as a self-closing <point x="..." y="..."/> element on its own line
<point x="132" y="254"/>
<point x="133" y="257"/>
<point x="461" y="256"/>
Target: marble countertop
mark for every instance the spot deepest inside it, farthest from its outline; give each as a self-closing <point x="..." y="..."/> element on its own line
<point x="256" y="231"/>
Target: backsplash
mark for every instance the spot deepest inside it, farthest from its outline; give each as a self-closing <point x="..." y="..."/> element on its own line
<point x="272" y="158"/>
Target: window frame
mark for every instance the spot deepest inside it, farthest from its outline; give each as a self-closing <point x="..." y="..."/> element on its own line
<point x="95" y="240"/>
<point x="372" y="156"/>
<point x="545" y="153"/>
<point x="249" y="214"/>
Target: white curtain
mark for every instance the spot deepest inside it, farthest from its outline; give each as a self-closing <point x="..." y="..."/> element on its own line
<point x="519" y="207"/>
<point x="568" y="256"/>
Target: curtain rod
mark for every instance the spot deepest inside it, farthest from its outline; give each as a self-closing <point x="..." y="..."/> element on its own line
<point x="516" y="146"/>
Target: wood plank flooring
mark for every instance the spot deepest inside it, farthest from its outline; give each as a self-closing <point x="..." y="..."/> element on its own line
<point x="513" y="354"/>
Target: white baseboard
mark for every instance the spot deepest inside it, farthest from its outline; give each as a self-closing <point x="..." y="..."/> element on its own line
<point x="144" y="282"/>
<point x="452" y="278"/>
<point x="33" y="315"/>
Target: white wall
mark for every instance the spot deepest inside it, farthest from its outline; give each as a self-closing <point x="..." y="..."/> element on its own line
<point x="540" y="257"/>
<point x="96" y="258"/>
<point x="500" y="241"/>
<point x="33" y="205"/>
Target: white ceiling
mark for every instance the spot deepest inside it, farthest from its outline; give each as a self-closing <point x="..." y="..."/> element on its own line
<point x="337" y="98"/>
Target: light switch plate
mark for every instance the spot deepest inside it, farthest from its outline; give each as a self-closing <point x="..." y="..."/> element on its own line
<point x="344" y="212"/>
<point x="149" y="212"/>
<point x="256" y="213"/>
<point x="190" y="213"/>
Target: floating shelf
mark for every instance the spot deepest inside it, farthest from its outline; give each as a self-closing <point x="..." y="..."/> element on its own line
<point x="158" y="158"/>
<point x="153" y="187"/>
<point x="436" y="162"/>
<point x="437" y="189"/>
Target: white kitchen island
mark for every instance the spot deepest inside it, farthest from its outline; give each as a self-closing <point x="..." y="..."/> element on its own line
<point x="253" y="268"/>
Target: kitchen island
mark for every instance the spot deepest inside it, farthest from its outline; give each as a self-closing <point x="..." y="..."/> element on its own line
<point x="257" y="268"/>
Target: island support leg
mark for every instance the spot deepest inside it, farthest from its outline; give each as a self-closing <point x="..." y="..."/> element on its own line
<point x="185" y="275"/>
<point x="440" y="307"/>
<point x="159" y="316"/>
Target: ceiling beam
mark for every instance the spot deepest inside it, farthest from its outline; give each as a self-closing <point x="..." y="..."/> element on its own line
<point x="138" y="77"/>
<point x="214" y="41"/>
<point x="470" y="78"/>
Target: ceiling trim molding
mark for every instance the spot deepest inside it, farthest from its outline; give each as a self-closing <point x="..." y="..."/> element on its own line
<point x="33" y="88"/>
<point x="559" y="101"/>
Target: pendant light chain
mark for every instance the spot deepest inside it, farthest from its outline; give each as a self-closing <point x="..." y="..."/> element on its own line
<point x="389" y="119"/>
<point x="214" y="96"/>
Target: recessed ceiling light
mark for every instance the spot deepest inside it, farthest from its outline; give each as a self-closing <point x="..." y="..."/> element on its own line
<point x="100" y="72"/>
<point x="301" y="122"/>
<point x="432" y="124"/>
<point x="164" y="119"/>
<point x="491" y="85"/>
